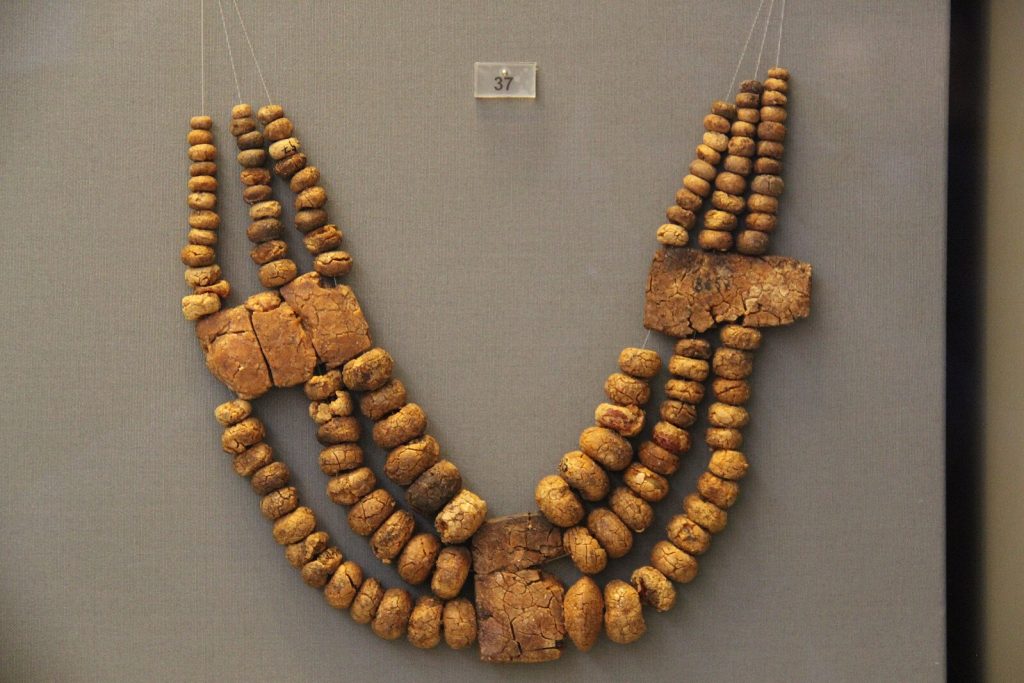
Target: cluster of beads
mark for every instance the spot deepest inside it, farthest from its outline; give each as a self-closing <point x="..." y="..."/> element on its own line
<point x="321" y="237"/>
<point x="390" y="612"/>
<point x="583" y="474"/>
<point x="731" y="183"/>
<point x="434" y="485"/>
<point x="767" y="185"/>
<point x="697" y="184"/>
<point x="270" y="253"/>
<point x="199" y="255"/>
<point x="618" y="609"/>
<point x="571" y="499"/>
<point x="739" y="140"/>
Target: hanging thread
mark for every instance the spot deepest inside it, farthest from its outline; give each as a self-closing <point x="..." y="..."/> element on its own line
<point x="231" y="57"/>
<point x="744" y="52"/>
<point x="764" y="37"/>
<point x="202" y="57"/>
<point x="782" y="21"/>
<point x="252" y="52"/>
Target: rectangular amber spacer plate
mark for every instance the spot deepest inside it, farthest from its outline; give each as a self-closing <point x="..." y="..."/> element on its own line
<point x="690" y="291"/>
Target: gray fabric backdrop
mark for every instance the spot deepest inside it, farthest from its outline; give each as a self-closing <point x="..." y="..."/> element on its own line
<point x="501" y="251"/>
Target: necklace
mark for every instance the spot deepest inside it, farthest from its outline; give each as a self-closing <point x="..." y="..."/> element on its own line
<point x="307" y="330"/>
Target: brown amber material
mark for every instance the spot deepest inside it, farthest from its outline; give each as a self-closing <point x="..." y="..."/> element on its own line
<point x="585" y="551"/>
<point x="670" y="437"/>
<point x="623" y="613"/>
<point x="673" y="562"/>
<point x="340" y="458"/>
<point x="461" y="517"/>
<point x="242" y="434"/>
<point x="451" y="571"/>
<point x="425" y="623"/>
<point x="732" y="363"/>
<point x="304" y="551"/>
<point x="294" y="526"/>
<point x="270" y="478"/>
<point x="645" y="483"/>
<point x="389" y="539"/>
<point x="606" y="447"/>
<point x="585" y="475"/>
<point x="677" y="413"/>
<point x="384" y="400"/>
<point x="641" y="363"/>
<point x="434" y="487"/>
<point x="251" y="460"/>
<point x="418" y="557"/>
<point x="687" y="391"/>
<point x="278" y="503"/>
<point x="232" y="412"/>
<point x="727" y="464"/>
<point x="393" y="614"/>
<point x="658" y="459"/>
<point x="654" y="588"/>
<point x="341" y="590"/>
<point x="583" y="610"/>
<point x="338" y="405"/>
<point x="708" y="515"/>
<point x="366" y="601"/>
<point x="407" y="462"/>
<point x="610" y="531"/>
<point x="626" y="420"/>
<point x="459" y="623"/>
<point x="721" y="492"/>
<point x="735" y="392"/>
<point x="401" y="426"/>
<point x="557" y="502"/>
<point x="317" y="572"/>
<point x="634" y="511"/>
<point x="725" y="415"/>
<point x="672" y="235"/>
<point x="687" y="535"/>
<point x="723" y="438"/>
<point x="369" y="512"/>
<point x="624" y="390"/>
<point x="368" y="371"/>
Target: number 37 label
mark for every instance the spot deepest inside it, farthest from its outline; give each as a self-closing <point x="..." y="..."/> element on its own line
<point x="505" y="80"/>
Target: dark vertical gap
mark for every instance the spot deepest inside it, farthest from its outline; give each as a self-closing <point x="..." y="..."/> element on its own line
<point x="964" y="242"/>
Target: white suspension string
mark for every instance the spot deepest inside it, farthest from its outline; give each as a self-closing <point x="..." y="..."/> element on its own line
<point x="231" y="57"/>
<point x="782" y="21"/>
<point x="252" y="52"/>
<point x="202" y="57"/>
<point x="764" y="37"/>
<point x="744" y="52"/>
<point x="646" y="339"/>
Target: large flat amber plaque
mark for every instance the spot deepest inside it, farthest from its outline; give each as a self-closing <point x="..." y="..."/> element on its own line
<point x="691" y="291"/>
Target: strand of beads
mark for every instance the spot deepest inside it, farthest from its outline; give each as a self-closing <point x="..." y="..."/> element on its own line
<point x="270" y="252"/>
<point x="767" y="185"/>
<point x="583" y="473"/>
<point x="618" y="610"/>
<point x="704" y="512"/>
<point x="670" y="437"/>
<point x="731" y="184"/>
<point x="199" y="255"/>
<point x="321" y="237"/>
<point x="391" y="612"/>
<point x="435" y="485"/>
<point x="697" y="183"/>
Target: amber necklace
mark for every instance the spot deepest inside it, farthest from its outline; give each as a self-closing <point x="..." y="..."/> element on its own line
<point x="306" y="330"/>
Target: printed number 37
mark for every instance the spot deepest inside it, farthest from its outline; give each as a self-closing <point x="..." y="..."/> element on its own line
<point x="502" y="82"/>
